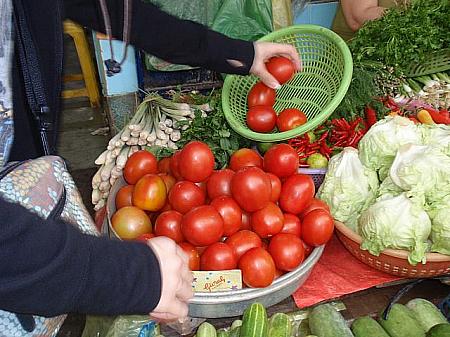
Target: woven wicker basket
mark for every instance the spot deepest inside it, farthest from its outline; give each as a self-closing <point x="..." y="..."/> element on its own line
<point x="393" y="261"/>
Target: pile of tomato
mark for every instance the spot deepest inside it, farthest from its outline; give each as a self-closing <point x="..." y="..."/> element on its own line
<point x="261" y="117"/>
<point x="258" y="215"/>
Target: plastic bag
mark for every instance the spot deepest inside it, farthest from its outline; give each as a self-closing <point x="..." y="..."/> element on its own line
<point x="120" y="326"/>
<point x="242" y="19"/>
<point x="282" y="13"/>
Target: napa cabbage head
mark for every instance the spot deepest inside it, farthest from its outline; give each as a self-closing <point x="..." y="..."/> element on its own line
<point x="398" y="223"/>
<point x="378" y="147"/>
<point x="423" y="171"/>
<point x="348" y="187"/>
<point x="436" y="135"/>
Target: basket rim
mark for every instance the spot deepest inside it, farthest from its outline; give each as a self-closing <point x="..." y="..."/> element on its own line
<point x="325" y="113"/>
<point x="398" y="253"/>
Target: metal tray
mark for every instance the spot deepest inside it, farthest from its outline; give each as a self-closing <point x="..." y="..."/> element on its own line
<point x="233" y="303"/>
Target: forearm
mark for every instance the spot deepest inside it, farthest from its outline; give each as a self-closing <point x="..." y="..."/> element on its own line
<point x="49" y="268"/>
<point x="165" y="36"/>
<point x="358" y="14"/>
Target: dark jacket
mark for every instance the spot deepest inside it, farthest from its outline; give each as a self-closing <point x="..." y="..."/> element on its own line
<point x="48" y="267"/>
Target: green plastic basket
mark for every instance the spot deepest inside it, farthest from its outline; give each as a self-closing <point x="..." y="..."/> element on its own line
<point x="317" y="90"/>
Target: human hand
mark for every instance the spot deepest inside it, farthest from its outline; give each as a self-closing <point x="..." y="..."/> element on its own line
<point x="176" y="280"/>
<point x="263" y="52"/>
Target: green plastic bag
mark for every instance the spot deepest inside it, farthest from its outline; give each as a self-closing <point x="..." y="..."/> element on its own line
<point x="241" y="19"/>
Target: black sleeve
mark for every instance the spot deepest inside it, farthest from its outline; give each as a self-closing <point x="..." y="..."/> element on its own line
<point x="49" y="268"/>
<point x="165" y="36"/>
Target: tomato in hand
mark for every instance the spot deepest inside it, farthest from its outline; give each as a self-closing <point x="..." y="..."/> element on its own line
<point x="296" y="193"/>
<point x="275" y="182"/>
<point x="174" y="165"/>
<point x="124" y="196"/>
<point x="130" y="222"/>
<point x="261" y="118"/>
<point x="289" y="119"/>
<point x="196" y="161"/>
<point x="258" y="268"/>
<point x="150" y="193"/>
<point x="218" y="256"/>
<point x="202" y="226"/>
<point x="138" y="165"/>
<point x="287" y="251"/>
<point x="315" y="204"/>
<point x="261" y="94"/>
<point x="164" y="165"/>
<point x="193" y="255"/>
<point x="185" y="195"/>
<point x="245" y="157"/>
<point x="251" y="188"/>
<point x="281" y="160"/>
<point x="292" y="225"/>
<point x="219" y="183"/>
<point x="169" y="181"/>
<point x="267" y="221"/>
<point x="243" y="241"/>
<point x="281" y="68"/>
<point x="169" y="224"/>
<point x="317" y="227"/>
<point x="230" y="212"/>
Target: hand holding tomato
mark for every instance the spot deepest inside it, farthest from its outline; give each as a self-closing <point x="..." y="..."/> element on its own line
<point x="264" y="51"/>
<point x="176" y="280"/>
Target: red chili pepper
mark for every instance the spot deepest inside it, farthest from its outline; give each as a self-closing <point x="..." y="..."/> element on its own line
<point x="371" y="116"/>
<point x="323" y="136"/>
<point x="438" y="117"/>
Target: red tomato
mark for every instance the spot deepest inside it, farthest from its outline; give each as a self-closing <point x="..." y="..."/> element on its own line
<point x="289" y="119"/>
<point x="296" y="193"/>
<point x="185" y="195"/>
<point x="287" y="251"/>
<point x="169" y="181"/>
<point x="219" y="183"/>
<point x="245" y="157"/>
<point x="275" y="182"/>
<point x="202" y="186"/>
<point x="246" y="221"/>
<point x="281" y="68"/>
<point x="138" y="165"/>
<point x="292" y="225"/>
<point x="200" y="250"/>
<point x="261" y="94"/>
<point x="258" y="268"/>
<point x="174" y="165"/>
<point x="202" y="226"/>
<point x="196" y="161"/>
<point x="169" y="224"/>
<point x="124" y="196"/>
<point x="281" y="160"/>
<point x="315" y="204"/>
<point x="145" y="237"/>
<point x="243" y="241"/>
<point x="192" y="253"/>
<point x="150" y="193"/>
<point x="261" y="118"/>
<point x="267" y="221"/>
<point x="129" y="222"/>
<point x="164" y="165"/>
<point x="251" y="188"/>
<point x="317" y="227"/>
<point x="230" y="212"/>
<point x="218" y="256"/>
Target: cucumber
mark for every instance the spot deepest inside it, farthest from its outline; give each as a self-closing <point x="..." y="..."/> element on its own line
<point x="254" y="321"/>
<point x="236" y="332"/>
<point x="401" y="323"/>
<point x="426" y="313"/>
<point x="235" y="324"/>
<point x="325" y="321"/>
<point x="368" y="327"/>
<point x="206" y="330"/>
<point x="280" y="325"/>
<point x="223" y="333"/>
<point x="303" y="329"/>
<point x="439" y="330"/>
